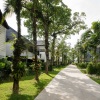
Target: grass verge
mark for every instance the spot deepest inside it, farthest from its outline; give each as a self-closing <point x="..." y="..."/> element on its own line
<point x="93" y="77"/>
<point x="29" y="88"/>
<point x="96" y="79"/>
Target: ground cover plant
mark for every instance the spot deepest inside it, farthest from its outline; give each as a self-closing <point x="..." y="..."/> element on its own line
<point x="29" y="88"/>
<point x="93" y="71"/>
<point x="96" y="79"/>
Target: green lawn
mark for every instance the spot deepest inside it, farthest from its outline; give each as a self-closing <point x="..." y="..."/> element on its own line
<point x="93" y="77"/>
<point x="96" y="79"/>
<point x="29" y="88"/>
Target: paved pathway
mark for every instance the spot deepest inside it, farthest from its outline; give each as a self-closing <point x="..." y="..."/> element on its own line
<point x="71" y="84"/>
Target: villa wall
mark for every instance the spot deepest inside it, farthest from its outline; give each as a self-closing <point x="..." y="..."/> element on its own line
<point x="2" y="42"/>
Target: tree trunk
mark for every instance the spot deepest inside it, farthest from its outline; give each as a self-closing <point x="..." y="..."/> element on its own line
<point x="66" y="59"/>
<point x="78" y="57"/>
<point x="62" y="58"/>
<point x="35" y="45"/>
<point x="73" y="57"/>
<point x="53" y="51"/>
<point x="46" y="47"/>
<point x="95" y="54"/>
<point x="58" y="61"/>
<point x="84" y="57"/>
<point x="15" y="85"/>
<point x="15" y="67"/>
<point x="17" y="52"/>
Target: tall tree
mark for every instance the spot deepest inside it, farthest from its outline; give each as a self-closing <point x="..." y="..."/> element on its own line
<point x="70" y="25"/>
<point x="34" y="33"/>
<point x="93" y="40"/>
<point x="30" y="12"/>
<point x="59" y="25"/>
<point x="45" y="12"/>
<point x="16" y="6"/>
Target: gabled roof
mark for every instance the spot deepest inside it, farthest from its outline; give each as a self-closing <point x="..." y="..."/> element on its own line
<point x="4" y="22"/>
<point x="11" y="34"/>
<point x="40" y="43"/>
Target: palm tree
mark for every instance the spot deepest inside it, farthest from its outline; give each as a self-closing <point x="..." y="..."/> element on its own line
<point x="15" y="6"/>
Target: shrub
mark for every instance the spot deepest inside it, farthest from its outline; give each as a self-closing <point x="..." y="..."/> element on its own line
<point x="5" y="68"/>
<point x="8" y="65"/>
<point x="98" y="69"/>
<point x="22" y="67"/>
<point x="82" y="65"/>
<point x="76" y="64"/>
<point x="32" y="68"/>
<point x="91" y="69"/>
<point x="2" y="65"/>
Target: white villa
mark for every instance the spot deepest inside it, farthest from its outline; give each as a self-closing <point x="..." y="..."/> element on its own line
<point x="7" y="35"/>
<point x="3" y="27"/>
<point x="41" y="50"/>
<point x="10" y="35"/>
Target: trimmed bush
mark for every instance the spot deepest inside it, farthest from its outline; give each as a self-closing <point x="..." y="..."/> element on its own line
<point x="98" y="69"/>
<point x="2" y="65"/>
<point x="5" y="68"/>
<point x="91" y="69"/>
<point x="82" y="65"/>
<point x="21" y="70"/>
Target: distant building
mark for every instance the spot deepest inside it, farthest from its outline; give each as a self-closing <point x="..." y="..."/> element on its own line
<point x="7" y="36"/>
<point x="41" y="50"/>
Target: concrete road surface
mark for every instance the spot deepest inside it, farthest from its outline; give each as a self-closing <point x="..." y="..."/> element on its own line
<point x="70" y="84"/>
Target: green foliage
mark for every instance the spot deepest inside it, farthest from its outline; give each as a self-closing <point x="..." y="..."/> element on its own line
<point x="5" y="64"/>
<point x="20" y="72"/>
<point x="98" y="69"/>
<point x="91" y="69"/>
<point x="22" y="67"/>
<point x="96" y="79"/>
<point x="37" y="67"/>
<point x="82" y="65"/>
<point x="5" y="69"/>
<point x="2" y="65"/>
<point x="96" y="26"/>
<point x="29" y="88"/>
<point x="31" y="68"/>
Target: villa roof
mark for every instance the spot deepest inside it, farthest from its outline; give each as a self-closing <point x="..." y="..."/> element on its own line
<point x="40" y="43"/>
<point x="11" y="34"/>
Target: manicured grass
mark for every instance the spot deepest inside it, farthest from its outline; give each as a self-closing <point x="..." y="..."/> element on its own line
<point x="96" y="79"/>
<point x="83" y="71"/>
<point x="29" y="88"/>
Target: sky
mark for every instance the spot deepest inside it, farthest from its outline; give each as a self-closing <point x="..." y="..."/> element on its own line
<point x="90" y="7"/>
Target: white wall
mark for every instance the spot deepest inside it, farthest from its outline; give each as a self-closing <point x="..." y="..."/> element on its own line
<point x="2" y="42"/>
<point x="42" y="56"/>
<point x="41" y="47"/>
<point x="28" y="54"/>
<point x="9" y="51"/>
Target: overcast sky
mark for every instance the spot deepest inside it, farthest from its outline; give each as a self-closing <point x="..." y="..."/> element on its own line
<point x="90" y="7"/>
